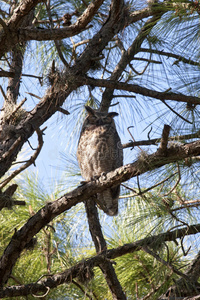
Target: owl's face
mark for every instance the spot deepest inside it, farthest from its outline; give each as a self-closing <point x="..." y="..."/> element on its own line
<point x="99" y="118"/>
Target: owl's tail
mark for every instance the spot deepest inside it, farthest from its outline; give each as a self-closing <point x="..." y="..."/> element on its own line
<point x="108" y="200"/>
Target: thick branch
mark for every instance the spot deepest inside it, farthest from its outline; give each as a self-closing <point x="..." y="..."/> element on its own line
<point x="67" y="276"/>
<point x="84" y="192"/>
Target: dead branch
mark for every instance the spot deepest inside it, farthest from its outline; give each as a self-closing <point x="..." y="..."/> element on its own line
<point x="164" y="139"/>
<point x="175" y="112"/>
<point x="6" y="73"/>
<point x="6" y="199"/>
<point x="33" y="95"/>
<point x="2" y="91"/>
<point x="64" y="111"/>
<point x="29" y="162"/>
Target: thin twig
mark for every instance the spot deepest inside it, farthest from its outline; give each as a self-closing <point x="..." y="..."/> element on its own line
<point x="29" y="162"/>
<point x="82" y="290"/>
<point x="64" y="111"/>
<point x="185" y="253"/>
<point x="4" y="95"/>
<point x="169" y="54"/>
<point x="33" y="95"/>
<point x="157" y="288"/>
<point x="176" y="113"/>
<point x="132" y="135"/>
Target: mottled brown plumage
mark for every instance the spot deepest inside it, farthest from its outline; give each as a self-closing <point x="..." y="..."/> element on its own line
<point x="100" y="151"/>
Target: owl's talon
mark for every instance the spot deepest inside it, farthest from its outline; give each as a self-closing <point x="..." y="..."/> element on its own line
<point x="83" y="182"/>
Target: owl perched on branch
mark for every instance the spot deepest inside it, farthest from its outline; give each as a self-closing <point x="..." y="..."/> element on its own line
<point x="100" y="151"/>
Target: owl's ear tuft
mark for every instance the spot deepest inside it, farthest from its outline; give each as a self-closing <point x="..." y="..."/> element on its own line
<point x="113" y="114"/>
<point x="89" y="109"/>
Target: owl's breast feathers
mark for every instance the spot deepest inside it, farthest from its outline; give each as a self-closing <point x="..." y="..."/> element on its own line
<point x="99" y="150"/>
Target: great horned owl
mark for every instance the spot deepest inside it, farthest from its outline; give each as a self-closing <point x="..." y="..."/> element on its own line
<point x="100" y="151"/>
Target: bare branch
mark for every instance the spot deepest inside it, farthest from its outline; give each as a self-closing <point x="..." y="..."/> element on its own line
<point x="28" y="163"/>
<point x="6" y="199"/>
<point x="164" y="139"/>
<point x="64" y="111"/>
<point x="170" y="54"/>
<point x="156" y="141"/>
<point x="2" y="91"/>
<point x="6" y="73"/>
<point x="175" y="112"/>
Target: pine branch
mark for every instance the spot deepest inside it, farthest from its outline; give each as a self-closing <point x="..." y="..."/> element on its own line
<point x="52" y="281"/>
